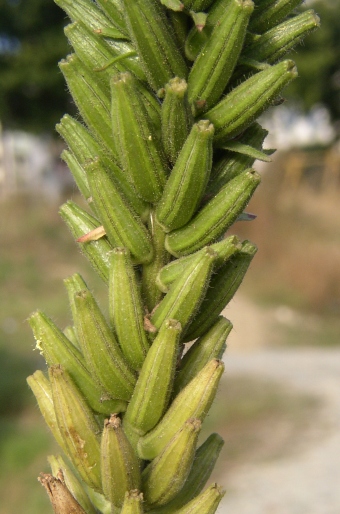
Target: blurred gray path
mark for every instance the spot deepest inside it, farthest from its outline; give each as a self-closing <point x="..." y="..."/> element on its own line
<point x="307" y="481"/>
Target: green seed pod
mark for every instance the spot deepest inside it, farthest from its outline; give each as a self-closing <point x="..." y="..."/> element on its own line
<point x="193" y="401"/>
<point x="81" y="222"/>
<point x="215" y="63"/>
<point x="210" y="346"/>
<point x="186" y="294"/>
<point x="74" y="284"/>
<point x="133" y="503"/>
<point x="155" y="43"/>
<point x="275" y="43"/>
<point x="122" y="226"/>
<point x="215" y="217"/>
<point x="126" y="308"/>
<point x="103" y="57"/>
<point x="222" y="288"/>
<point x="197" y="5"/>
<point x="180" y="25"/>
<point x="78" y="427"/>
<point x="71" y="335"/>
<point x="174" y="5"/>
<point x="269" y="13"/>
<point x="185" y="187"/>
<point x="100" y="348"/>
<point x="42" y="391"/>
<point x="154" y="385"/>
<point x="138" y="145"/>
<point x="224" y="250"/>
<point x="176" y="118"/>
<point x="119" y="463"/>
<point x="165" y="476"/>
<point x="204" y="462"/>
<point x="205" y="503"/>
<point x="85" y="148"/>
<point x="91" y="99"/>
<point x="150" y="292"/>
<point x="72" y="483"/>
<point x="56" y="348"/>
<point x="78" y="173"/>
<point x="114" y="11"/>
<point x="89" y="14"/>
<point x="249" y="100"/>
<point x="231" y="164"/>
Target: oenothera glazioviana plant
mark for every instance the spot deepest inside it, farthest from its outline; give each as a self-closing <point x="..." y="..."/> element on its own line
<point x="168" y="93"/>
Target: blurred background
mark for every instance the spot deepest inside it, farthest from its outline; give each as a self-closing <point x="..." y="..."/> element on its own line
<point x="279" y="405"/>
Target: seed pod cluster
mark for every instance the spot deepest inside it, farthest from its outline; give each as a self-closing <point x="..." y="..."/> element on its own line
<point x="168" y="92"/>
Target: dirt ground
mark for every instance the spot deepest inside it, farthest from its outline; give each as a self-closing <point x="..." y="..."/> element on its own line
<point x="305" y="479"/>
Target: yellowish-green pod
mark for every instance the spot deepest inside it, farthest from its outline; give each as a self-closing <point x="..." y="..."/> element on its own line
<point x="269" y="13"/>
<point x="120" y="466"/>
<point x="92" y="100"/>
<point x="114" y="12"/>
<point x="151" y="35"/>
<point x="42" y="391"/>
<point x="188" y="179"/>
<point x="177" y="118"/>
<point x="205" y="503"/>
<point x="222" y="288"/>
<point x="133" y="503"/>
<point x="238" y="110"/>
<point x="122" y="225"/>
<point x="215" y="63"/>
<point x="103" y="355"/>
<point x="224" y="250"/>
<point x="140" y="151"/>
<point x="204" y="462"/>
<point x="57" y="349"/>
<point x="153" y="389"/>
<point x="78" y="427"/>
<point x="89" y="14"/>
<point x="126" y="308"/>
<point x="81" y="222"/>
<point x="151" y="294"/>
<point x="210" y="346"/>
<point x="186" y="294"/>
<point x="213" y="220"/>
<point x="165" y="476"/>
<point x="193" y="401"/>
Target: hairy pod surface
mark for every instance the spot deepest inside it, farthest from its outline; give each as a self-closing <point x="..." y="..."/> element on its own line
<point x="119" y="462"/>
<point x="269" y="13"/>
<point x="193" y="401"/>
<point x="215" y="63"/>
<point x="81" y="222"/>
<point x="153" y="389"/>
<point x="222" y="289"/>
<point x="133" y="503"/>
<point x="165" y="476"/>
<point x="139" y="148"/>
<point x="187" y="292"/>
<point x="56" y="349"/>
<point x="78" y="427"/>
<point x="215" y="217"/>
<point x="122" y="225"/>
<point x="205" y="503"/>
<point x="152" y="36"/>
<point x="102" y="353"/>
<point x="177" y="118"/>
<point x="237" y="111"/>
<point x="224" y="250"/>
<point x="126" y="308"/>
<point x="185" y="186"/>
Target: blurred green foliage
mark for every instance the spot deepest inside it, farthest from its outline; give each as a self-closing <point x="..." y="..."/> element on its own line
<point x="32" y="90"/>
<point x="318" y="62"/>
